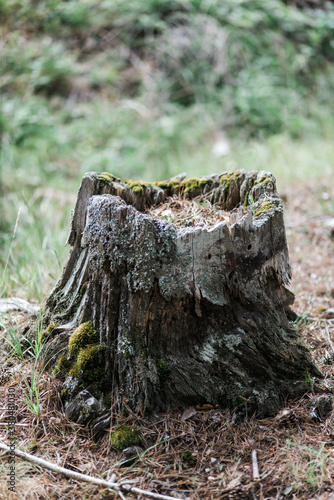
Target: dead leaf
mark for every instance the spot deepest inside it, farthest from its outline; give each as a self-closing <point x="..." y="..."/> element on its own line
<point x="283" y="414"/>
<point x="233" y="484"/>
<point x="205" y="407"/>
<point x="189" y="412"/>
<point x="184" y="484"/>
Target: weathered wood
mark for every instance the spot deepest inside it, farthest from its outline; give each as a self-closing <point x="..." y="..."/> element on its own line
<point x="185" y="315"/>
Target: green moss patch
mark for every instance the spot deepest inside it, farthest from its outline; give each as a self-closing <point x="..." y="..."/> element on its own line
<point x="228" y="179"/>
<point x="188" y="458"/>
<point x="174" y="184"/>
<point x="84" y="335"/>
<point x="88" y="364"/>
<point x="62" y="365"/>
<point x="264" y="208"/>
<point x="162" y="369"/>
<point x="107" y="177"/>
<point x="263" y="180"/>
<point x="193" y="184"/>
<point x="135" y="186"/>
<point x="87" y="361"/>
<point x="125" y="436"/>
<point x="63" y="394"/>
<point x="47" y="333"/>
<point x="161" y="184"/>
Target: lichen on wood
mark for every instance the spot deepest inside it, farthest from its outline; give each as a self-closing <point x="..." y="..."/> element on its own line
<point x="185" y="315"/>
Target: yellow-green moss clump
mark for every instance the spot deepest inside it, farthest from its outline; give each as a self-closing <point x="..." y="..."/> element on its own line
<point x="125" y="436"/>
<point x="135" y="186"/>
<point x="228" y="179"/>
<point x="174" y="184"/>
<point x="193" y="184"/>
<point x="264" y="207"/>
<point x="162" y="369"/>
<point x="107" y="177"/>
<point x="170" y="187"/>
<point x="48" y="331"/>
<point x="84" y="335"/>
<point x="83" y="346"/>
<point x="263" y="180"/>
<point x="63" y="394"/>
<point x="88" y="364"/>
<point x="161" y="184"/>
<point x="86" y="361"/>
<point x="63" y="364"/>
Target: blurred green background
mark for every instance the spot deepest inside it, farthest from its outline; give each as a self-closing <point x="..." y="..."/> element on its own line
<point x="147" y="89"/>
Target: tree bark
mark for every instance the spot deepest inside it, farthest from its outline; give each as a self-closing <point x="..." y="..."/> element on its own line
<point x="186" y="315"/>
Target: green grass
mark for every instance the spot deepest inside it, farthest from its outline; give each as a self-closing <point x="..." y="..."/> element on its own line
<point x="310" y="463"/>
<point x="31" y="385"/>
<point x="32" y="354"/>
<point x="12" y="337"/>
<point x="33" y="259"/>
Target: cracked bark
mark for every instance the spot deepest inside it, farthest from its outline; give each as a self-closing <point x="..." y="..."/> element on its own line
<point x="192" y="315"/>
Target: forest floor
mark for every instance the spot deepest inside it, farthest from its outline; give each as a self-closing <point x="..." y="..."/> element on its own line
<point x="201" y="453"/>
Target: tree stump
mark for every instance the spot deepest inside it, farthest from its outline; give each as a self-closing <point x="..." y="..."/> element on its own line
<point x="156" y="314"/>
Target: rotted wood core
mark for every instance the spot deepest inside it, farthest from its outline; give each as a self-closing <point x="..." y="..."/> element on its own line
<point x="175" y="293"/>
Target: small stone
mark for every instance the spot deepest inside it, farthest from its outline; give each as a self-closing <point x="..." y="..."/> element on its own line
<point x="132" y="450"/>
<point x="314" y="415"/>
<point x="54" y="421"/>
<point x="329" y="313"/>
<point x="324" y="405"/>
<point x="329" y="224"/>
<point x="83" y="408"/>
<point x="130" y="455"/>
<point x="286" y="416"/>
<point x="100" y="424"/>
<point x="328" y="383"/>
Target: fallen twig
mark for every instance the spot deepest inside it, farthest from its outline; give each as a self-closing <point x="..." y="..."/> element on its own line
<point x="84" y="477"/>
<point x="267" y="474"/>
<point x="256" y="475"/>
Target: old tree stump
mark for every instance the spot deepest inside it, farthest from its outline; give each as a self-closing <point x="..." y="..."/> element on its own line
<point x="174" y="294"/>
